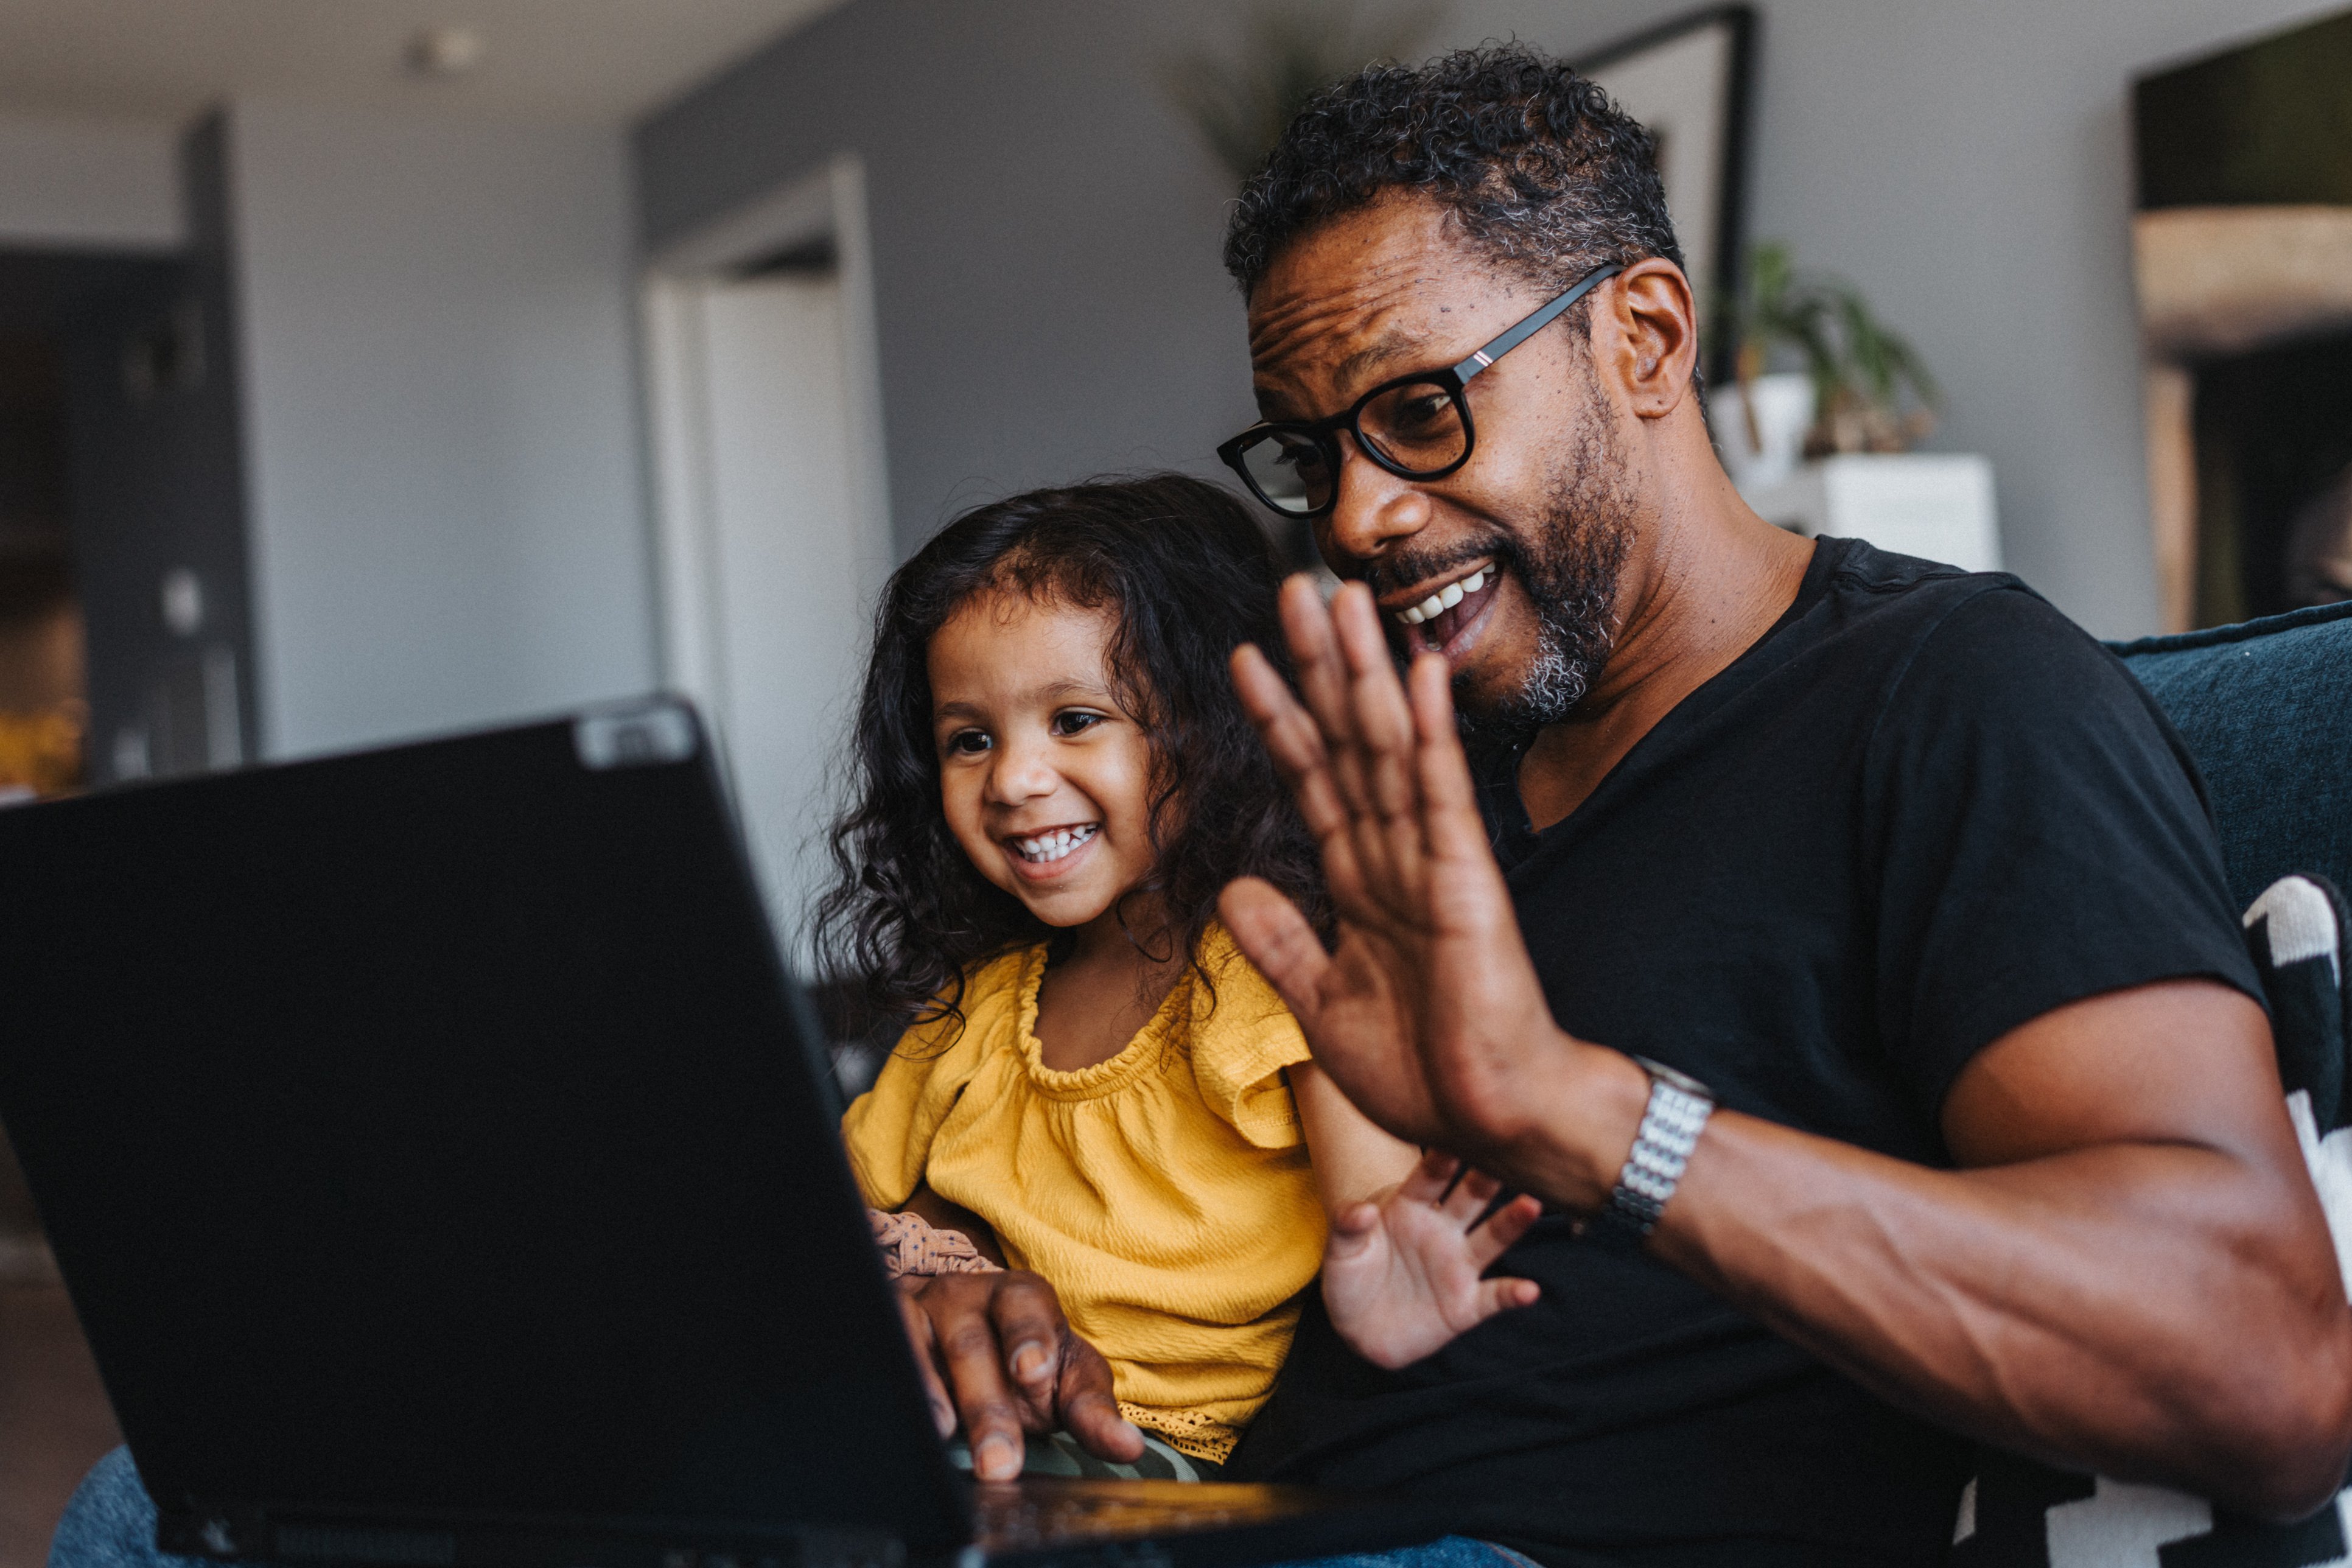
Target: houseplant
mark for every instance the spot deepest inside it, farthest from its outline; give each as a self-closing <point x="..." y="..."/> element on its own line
<point x="1869" y="390"/>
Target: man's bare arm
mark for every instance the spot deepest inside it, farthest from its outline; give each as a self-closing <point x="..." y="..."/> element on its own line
<point x="2133" y="1273"/>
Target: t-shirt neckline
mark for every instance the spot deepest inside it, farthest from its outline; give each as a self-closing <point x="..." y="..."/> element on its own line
<point x="1514" y="832"/>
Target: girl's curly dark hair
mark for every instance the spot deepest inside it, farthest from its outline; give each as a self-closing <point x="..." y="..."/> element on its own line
<point x="1187" y="574"/>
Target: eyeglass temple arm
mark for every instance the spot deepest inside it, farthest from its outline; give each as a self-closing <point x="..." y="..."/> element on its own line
<point x="1531" y="325"/>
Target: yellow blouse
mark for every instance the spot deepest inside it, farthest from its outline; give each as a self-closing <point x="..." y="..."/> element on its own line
<point x="1165" y="1192"/>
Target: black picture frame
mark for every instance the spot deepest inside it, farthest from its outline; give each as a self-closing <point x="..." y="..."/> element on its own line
<point x="1697" y="68"/>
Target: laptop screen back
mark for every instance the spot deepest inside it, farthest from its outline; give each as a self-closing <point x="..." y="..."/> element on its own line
<point x="431" y="1133"/>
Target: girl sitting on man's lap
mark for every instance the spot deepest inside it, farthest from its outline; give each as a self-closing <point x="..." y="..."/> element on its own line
<point x="1055" y="781"/>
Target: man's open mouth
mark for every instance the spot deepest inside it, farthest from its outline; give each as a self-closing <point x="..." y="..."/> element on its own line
<point x="1445" y="611"/>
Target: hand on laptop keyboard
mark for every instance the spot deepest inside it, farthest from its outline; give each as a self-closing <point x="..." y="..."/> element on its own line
<point x="999" y="1359"/>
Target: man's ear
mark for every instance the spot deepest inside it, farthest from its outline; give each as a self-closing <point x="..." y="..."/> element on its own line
<point x="1657" y="331"/>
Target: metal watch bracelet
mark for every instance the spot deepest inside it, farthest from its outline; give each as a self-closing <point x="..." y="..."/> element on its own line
<point x="1677" y="1112"/>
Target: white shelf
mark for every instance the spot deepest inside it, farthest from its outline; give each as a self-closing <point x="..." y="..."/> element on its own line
<point x="1935" y="505"/>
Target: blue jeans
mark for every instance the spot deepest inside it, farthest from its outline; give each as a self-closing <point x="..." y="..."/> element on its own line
<point x="110" y="1523"/>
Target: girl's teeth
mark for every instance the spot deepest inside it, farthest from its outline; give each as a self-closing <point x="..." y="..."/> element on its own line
<point x="1050" y="846"/>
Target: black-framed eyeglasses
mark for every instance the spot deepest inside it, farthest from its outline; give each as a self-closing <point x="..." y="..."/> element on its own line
<point x="1416" y="426"/>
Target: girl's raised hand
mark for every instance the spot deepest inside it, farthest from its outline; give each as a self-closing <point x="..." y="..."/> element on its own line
<point x="1401" y="1272"/>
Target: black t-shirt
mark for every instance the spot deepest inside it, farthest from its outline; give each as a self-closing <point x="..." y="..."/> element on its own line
<point x="1922" y="810"/>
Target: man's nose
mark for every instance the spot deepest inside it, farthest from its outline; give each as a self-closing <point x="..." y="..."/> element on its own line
<point x="1373" y="508"/>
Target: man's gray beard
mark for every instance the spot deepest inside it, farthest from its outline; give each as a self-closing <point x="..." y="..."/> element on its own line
<point x="1570" y="566"/>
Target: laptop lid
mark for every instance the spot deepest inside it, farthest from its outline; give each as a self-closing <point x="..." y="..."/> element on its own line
<point x="431" y="1134"/>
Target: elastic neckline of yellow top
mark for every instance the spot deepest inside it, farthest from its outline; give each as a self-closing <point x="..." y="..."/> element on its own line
<point x="1140" y="1055"/>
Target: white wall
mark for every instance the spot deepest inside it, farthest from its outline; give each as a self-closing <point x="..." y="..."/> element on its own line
<point x="90" y="184"/>
<point x="442" y="436"/>
<point x="1046" y="232"/>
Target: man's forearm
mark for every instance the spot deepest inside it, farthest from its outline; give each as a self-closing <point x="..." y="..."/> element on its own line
<point x="2119" y="1309"/>
<point x="2154" y="1308"/>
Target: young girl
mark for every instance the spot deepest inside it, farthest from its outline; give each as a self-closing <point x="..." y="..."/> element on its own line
<point x="1054" y="780"/>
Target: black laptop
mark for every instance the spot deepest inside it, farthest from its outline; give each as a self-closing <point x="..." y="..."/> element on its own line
<point x="447" y="1172"/>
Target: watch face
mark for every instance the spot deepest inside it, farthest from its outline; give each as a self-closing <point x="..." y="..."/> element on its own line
<point x="1674" y="1078"/>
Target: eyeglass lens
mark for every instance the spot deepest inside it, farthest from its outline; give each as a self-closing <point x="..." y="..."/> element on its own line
<point x="1289" y="472"/>
<point x="1415" y="429"/>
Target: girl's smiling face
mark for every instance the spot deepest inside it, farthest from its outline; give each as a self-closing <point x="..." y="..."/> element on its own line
<point x="1045" y="780"/>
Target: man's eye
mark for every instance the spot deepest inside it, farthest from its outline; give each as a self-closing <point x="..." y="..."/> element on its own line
<point x="967" y="742"/>
<point x="1423" y="410"/>
<point x="1074" y="723"/>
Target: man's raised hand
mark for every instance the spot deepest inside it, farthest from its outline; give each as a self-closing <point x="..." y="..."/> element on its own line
<point x="1427" y="1012"/>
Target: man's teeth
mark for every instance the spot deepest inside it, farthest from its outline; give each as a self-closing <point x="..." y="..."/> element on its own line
<point x="1444" y="599"/>
<point x="1050" y="846"/>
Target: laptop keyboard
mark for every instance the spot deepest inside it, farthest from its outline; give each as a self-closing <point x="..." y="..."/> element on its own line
<point x="1044" y="1513"/>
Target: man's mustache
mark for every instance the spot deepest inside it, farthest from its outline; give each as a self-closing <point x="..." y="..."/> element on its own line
<point x="1411" y="568"/>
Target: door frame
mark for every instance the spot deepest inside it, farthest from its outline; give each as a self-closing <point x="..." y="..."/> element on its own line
<point x="826" y="204"/>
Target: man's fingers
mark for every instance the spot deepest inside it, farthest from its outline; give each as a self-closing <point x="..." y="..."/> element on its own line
<point x="927" y="1361"/>
<point x="1277" y="939"/>
<point x="1035" y="1337"/>
<point x="1325" y="682"/>
<point x="1383" y="721"/>
<point x="1087" y="1410"/>
<point x="975" y="1371"/>
<point x="1456" y="832"/>
<point x="1293" y="739"/>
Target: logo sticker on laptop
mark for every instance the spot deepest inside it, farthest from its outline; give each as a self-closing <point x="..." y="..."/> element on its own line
<point x="640" y="735"/>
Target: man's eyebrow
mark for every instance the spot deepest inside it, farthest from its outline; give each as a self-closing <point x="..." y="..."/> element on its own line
<point x="1381" y="353"/>
<point x="1385" y="350"/>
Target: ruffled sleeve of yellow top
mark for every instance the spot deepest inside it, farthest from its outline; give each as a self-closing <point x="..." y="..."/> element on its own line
<point x="1165" y="1192"/>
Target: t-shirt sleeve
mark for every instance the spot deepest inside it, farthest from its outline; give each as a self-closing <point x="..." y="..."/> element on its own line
<point x="888" y="1129"/>
<point x="1239" y="1051"/>
<point x="2039" y="834"/>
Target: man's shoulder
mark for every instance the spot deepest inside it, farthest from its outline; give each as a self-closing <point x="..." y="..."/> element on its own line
<point x="1920" y="619"/>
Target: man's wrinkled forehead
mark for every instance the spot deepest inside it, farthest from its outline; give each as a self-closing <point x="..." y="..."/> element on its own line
<point x="1351" y="296"/>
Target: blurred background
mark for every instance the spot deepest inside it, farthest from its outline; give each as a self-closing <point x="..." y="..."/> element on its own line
<point x="369" y="368"/>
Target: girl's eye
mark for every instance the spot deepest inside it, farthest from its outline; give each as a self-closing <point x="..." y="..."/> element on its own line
<point x="1075" y="722"/>
<point x="967" y="742"/>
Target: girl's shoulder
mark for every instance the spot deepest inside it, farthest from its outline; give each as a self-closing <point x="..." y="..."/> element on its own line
<point x="985" y="1014"/>
<point x="1242" y="1037"/>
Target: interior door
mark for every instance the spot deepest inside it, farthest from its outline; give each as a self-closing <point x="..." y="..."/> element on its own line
<point x="794" y="564"/>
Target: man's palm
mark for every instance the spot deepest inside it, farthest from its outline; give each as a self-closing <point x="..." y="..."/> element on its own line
<point x="1429" y="997"/>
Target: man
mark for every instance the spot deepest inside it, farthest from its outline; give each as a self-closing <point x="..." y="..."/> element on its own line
<point x="1896" y="862"/>
<point x="1986" y="1138"/>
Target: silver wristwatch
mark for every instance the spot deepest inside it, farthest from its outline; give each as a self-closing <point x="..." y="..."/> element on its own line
<point x="1677" y="1112"/>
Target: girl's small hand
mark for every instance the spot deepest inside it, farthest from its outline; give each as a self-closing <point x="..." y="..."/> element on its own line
<point x="1401" y="1273"/>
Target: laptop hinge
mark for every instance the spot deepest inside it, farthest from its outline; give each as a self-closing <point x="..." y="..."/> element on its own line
<point x="249" y="1533"/>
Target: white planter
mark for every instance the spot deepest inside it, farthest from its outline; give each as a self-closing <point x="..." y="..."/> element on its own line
<point x="1784" y="412"/>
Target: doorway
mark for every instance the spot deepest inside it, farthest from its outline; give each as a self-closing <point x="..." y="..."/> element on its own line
<point x="773" y="535"/>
